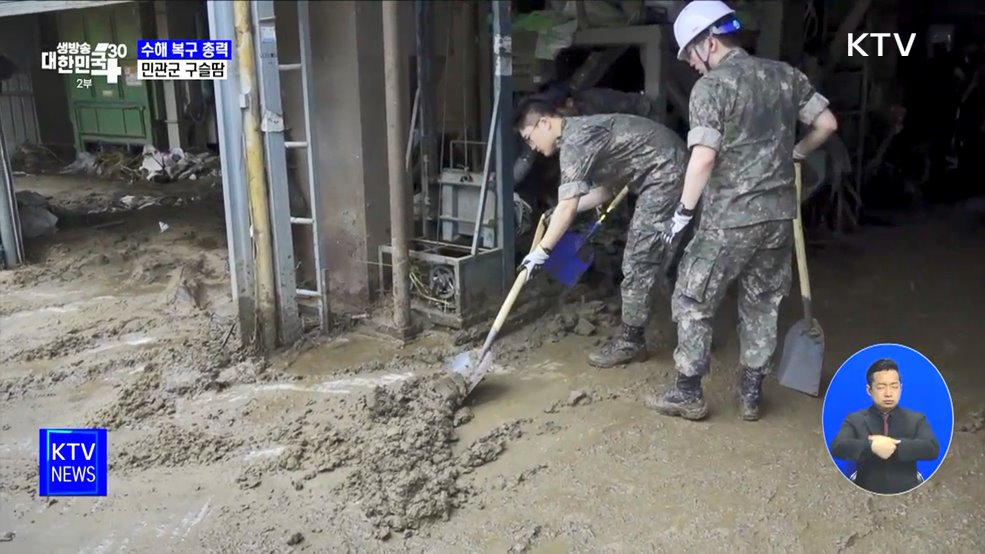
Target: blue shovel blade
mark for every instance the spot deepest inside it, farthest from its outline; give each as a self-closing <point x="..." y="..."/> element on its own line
<point x="568" y="260"/>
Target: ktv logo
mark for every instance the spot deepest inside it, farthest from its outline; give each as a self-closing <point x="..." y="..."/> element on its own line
<point x="854" y="43"/>
<point x="72" y="462"/>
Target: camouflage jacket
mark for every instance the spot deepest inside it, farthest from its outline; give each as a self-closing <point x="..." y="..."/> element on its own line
<point x="747" y="109"/>
<point x="617" y="150"/>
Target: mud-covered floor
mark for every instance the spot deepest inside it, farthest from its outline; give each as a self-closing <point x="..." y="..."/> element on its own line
<point x="127" y="327"/>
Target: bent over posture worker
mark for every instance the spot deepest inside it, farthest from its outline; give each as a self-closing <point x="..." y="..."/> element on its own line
<point x="593" y="101"/>
<point x="599" y="155"/>
<point x="743" y="116"/>
<point x="884" y="440"/>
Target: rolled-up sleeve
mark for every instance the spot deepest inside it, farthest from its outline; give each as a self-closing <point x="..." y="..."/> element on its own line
<point x="579" y="152"/>
<point x="706" y="115"/>
<point x="810" y="103"/>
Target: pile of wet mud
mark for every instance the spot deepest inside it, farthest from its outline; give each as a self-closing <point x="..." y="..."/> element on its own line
<point x="168" y="445"/>
<point x="404" y="468"/>
<point x="175" y="317"/>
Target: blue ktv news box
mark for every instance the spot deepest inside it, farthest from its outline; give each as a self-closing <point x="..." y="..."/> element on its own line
<point x="72" y="462"/>
<point x="175" y="49"/>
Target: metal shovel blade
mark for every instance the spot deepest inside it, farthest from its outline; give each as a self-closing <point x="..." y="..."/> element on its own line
<point x="803" y="354"/>
<point x="569" y="259"/>
<point x="471" y="366"/>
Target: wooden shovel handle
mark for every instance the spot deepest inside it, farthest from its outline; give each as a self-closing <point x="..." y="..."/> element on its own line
<point x="615" y="202"/>
<point x="539" y="233"/>
<point x="521" y="279"/>
<point x="798" y="234"/>
<point x="504" y="310"/>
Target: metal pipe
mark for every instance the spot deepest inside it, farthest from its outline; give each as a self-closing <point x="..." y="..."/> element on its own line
<point x="10" y="225"/>
<point x="504" y="137"/>
<point x="425" y="112"/>
<point x="503" y="89"/>
<point x="229" y="133"/>
<point x="266" y="311"/>
<point x="413" y="126"/>
<point x="396" y="111"/>
<point x="485" y="178"/>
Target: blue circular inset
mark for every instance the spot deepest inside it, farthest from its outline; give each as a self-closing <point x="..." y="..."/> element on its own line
<point x="850" y="416"/>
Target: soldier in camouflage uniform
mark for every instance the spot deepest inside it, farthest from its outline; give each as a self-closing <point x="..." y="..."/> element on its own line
<point x="628" y="345"/>
<point x="743" y="115"/>
<point x="599" y="155"/>
<point x="594" y="101"/>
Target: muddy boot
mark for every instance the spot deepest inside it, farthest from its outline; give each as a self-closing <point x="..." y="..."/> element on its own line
<point x="628" y="346"/>
<point x="685" y="399"/>
<point x="750" y="394"/>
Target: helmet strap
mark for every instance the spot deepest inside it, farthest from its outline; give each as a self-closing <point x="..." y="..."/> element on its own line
<point x="704" y="58"/>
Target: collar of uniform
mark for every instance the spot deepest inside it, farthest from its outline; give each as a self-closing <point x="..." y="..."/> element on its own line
<point x="733" y="54"/>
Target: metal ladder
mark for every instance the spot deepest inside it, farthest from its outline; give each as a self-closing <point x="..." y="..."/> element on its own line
<point x="269" y="71"/>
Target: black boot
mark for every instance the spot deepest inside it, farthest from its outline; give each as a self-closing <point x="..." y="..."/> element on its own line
<point x="685" y="399"/>
<point x="750" y="394"/>
<point x="629" y="346"/>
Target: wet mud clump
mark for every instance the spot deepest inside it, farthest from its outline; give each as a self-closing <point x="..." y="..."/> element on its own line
<point x="406" y="472"/>
<point x="140" y="400"/>
<point x="171" y="446"/>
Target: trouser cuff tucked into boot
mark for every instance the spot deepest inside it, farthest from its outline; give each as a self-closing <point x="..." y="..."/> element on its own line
<point x="627" y="347"/>
<point x="750" y="393"/>
<point x="685" y="399"/>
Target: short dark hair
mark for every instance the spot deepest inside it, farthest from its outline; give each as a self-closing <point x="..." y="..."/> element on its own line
<point x="885" y="364"/>
<point x="535" y="105"/>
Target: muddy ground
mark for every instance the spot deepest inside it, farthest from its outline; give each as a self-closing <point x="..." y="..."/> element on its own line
<point x="344" y="445"/>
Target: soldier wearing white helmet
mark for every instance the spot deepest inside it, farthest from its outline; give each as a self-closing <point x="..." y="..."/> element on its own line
<point x="743" y="117"/>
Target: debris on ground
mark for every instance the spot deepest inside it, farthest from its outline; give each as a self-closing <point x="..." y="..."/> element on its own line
<point x="578" y="397"/>
<point x="36" y="219"/>
<point x="160" y="166"/>
<point x="524" y="538"/>
<point x="975" y="421"/>
<point x="33" y="158"/>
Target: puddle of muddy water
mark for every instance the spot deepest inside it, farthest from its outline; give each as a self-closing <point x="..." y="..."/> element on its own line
<point x="44" y="311"/>
<point x="350" y="351"/>
<point x="124" y="342"/>
<point x="342" y="386"/>
<point x="339" y="354"/>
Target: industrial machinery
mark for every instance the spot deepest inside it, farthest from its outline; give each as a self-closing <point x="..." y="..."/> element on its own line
<point x="464" y="261"/>
<point x="460" y="186"/>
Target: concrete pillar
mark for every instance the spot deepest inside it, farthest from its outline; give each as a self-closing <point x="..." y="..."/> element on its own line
<point x="350" y="121"/>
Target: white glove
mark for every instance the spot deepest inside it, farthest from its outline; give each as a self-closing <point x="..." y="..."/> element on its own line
<point x="536" y="258"/>
<point x="682" y="217"/>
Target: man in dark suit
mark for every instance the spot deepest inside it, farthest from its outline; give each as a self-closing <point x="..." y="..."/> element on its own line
<point x="884" y="440"/>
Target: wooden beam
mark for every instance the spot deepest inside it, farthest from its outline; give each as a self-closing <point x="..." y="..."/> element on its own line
<point x="839" y="45"/>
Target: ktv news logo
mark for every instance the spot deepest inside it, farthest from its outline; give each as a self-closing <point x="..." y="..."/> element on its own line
<point x="72" y="462"/>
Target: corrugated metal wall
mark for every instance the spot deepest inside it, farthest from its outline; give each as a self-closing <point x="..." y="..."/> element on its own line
<point x="17" y="111"/>
<point x="19" y="43"/>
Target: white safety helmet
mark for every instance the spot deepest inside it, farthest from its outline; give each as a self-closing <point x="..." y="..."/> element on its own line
<point x="696" y="18"/>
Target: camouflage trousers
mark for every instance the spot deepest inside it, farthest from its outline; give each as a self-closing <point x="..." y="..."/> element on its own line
<point x="759" y="257"/>
<point x="645" y="257"/>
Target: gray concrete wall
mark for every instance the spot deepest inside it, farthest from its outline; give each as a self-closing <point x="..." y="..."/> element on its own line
<point x="350" y="125"/>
